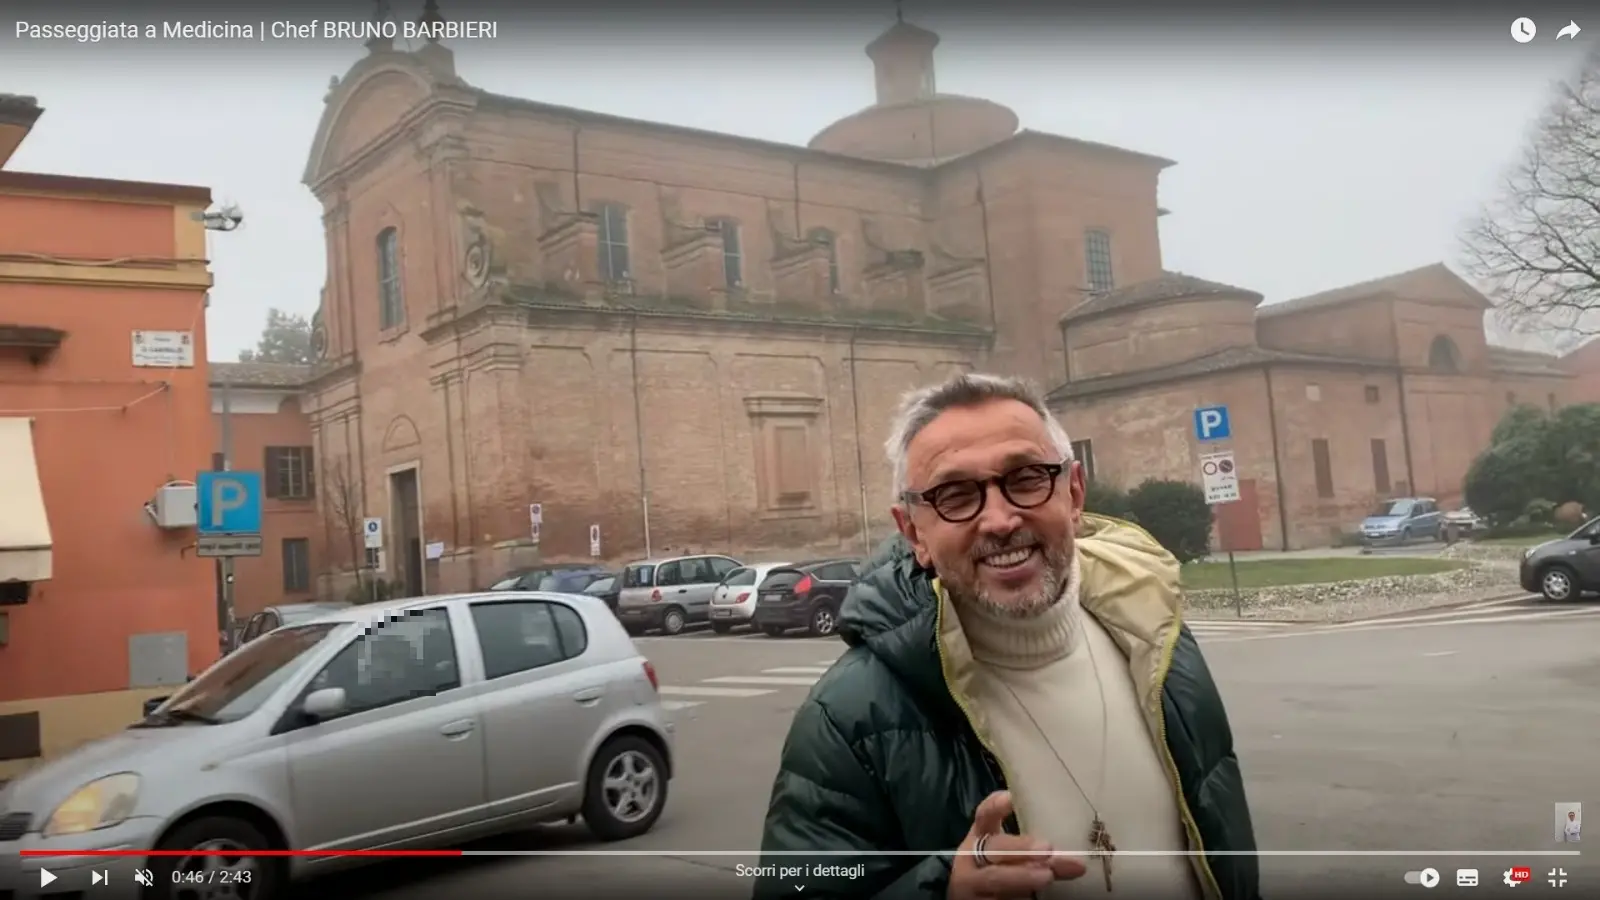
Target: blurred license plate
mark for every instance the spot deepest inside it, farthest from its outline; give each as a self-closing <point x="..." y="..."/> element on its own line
<point x="722" y="613"/>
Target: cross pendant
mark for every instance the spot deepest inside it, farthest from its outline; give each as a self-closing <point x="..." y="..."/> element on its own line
<point x="1100" y="840"/>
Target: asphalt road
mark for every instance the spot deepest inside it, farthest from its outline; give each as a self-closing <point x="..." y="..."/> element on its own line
<point x="1432" y="732"/>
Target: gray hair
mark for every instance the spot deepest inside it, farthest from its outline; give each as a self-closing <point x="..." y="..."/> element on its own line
<point x="920" y="407"/>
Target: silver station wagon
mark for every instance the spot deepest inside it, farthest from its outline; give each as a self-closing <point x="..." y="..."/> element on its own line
<point x="412" y="724"/>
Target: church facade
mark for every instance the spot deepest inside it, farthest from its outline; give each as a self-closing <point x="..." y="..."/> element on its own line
<point x="554" y="334"/>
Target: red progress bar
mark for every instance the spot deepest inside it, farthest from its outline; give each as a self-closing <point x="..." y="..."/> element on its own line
<point x="237" y="853"/>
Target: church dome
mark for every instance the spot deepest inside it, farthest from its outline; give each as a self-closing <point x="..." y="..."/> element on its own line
<point x="921" y="132"/>
<point x="911" y="122"/>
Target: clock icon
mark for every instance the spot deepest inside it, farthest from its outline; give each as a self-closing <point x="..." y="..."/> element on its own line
<point x="1523" y="30"/>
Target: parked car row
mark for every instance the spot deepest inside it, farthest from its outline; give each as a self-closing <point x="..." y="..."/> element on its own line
<point x="669" y="594"/>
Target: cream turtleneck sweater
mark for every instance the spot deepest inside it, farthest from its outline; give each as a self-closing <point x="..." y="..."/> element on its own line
<point x="1039" y="684"/>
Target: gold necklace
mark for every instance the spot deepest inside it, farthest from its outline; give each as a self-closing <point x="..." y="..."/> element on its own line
<point x="1100" y="841"/>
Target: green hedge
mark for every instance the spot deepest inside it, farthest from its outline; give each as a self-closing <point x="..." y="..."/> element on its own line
<point x="1174" y="512"/>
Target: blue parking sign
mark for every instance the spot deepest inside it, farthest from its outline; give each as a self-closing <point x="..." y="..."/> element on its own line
<point x="228" y="502"/>
<point x="1211" y="423"/>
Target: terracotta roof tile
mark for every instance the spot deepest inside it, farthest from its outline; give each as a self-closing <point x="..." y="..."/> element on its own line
<point x="259" y="375"/>
<point x="1400" y="284"/>
<point x="1169" y="286"/>
<point x="1221" y="361"/>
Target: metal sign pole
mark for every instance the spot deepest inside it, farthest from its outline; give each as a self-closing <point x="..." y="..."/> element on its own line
<point x="225" y="564"/>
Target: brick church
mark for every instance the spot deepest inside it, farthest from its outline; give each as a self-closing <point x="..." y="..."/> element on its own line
<point x="678" y="339"/>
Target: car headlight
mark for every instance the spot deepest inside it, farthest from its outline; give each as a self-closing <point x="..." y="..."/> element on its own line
<point x="101" y="803"/>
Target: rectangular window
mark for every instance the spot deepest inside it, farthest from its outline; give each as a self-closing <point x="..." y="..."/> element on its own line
<point x="825" y="238"/>
<point x="296" y="565"/>
<point x="732" y="256"/>
<point x="391" y="303"/>
<point x="1380" y="466"/>
<point x="288" y="473"/>
<point x="1097" y="260"/>
<point x="1323" y="464"/>
<point x="217" y="462"/>
<point x="792" y="465"/>
<point x="1083" y="452"/>
<point x="613" y="247"/>
<point x="1372" y="393"/>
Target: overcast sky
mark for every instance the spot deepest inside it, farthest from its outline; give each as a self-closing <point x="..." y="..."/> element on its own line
<point x="1303" y="164"/>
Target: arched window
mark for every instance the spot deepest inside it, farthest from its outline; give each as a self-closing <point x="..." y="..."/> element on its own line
<point x="613" y="220"/>
<point x="1443" y="356"/>
<point x="732" y="253"/>
<point x="825" y="238"/>
<point x="391" y="299"/>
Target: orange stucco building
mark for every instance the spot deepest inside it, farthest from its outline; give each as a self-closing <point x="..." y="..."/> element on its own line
<point x="103" y="402"/>
<point x="256" y="413"/>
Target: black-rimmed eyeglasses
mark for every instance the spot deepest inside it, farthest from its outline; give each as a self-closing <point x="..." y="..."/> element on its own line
<point x="1024" y="487"/>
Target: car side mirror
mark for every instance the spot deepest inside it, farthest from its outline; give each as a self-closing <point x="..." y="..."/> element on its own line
<point x="324" y="704"/>
<point x="154" y="703"/>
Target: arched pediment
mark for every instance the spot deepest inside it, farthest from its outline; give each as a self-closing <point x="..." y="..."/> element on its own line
<point x="402" y="433"/>
<point x="369" y="101"/>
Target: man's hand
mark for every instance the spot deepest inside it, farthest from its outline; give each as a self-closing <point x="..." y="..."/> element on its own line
<point x="1008" y="873"/>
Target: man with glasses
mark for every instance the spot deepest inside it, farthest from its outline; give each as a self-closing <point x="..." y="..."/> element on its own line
<point x="1020" y="700"/>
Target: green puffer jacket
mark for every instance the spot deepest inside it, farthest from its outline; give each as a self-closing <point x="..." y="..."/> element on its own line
<point x="884" y="755"/>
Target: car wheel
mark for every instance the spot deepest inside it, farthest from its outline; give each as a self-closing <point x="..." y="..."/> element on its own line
<point x="823" y="620"/>
<point x="209" y="877"/>
<point x="627" y="789"/>
<point x="1558" y="584"/>
<point x="721" y="627"/>
<point x="773" y="631"/>
<point x="672" y="621"/>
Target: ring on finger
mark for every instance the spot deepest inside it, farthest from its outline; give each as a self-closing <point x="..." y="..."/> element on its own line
<point x="978" y="856"/>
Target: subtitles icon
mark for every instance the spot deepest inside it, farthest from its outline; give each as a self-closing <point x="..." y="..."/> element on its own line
<point x="1518" y="875"/>
<point x="1466" y="878"/>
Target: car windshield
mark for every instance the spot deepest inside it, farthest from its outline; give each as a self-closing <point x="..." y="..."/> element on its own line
<point x="508" y="583"/>
<point x="638" y="576"/>
<point x="1588" y="529"/>
<point x="237" y="685"/>
<point x="1395" y="508"/>
<point x="600" y="586"/>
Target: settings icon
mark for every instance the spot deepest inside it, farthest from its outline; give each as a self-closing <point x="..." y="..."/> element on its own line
<point x="1510" y="878"/>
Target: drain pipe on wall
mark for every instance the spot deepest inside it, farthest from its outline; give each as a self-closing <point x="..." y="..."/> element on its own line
<point x="861" y="471"/>
<point x="638" y="430"/>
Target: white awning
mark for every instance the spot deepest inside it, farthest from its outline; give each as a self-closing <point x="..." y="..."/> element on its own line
<point x="24" y="527"/>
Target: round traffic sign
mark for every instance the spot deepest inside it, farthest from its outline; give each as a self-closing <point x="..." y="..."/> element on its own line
<point x="1225" y="466"/>
<point x="1209" y="467"/>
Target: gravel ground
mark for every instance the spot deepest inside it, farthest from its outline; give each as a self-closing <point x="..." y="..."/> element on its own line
<point x="1342" y="600"/>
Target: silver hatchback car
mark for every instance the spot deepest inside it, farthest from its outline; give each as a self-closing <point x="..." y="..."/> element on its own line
<point x="423" y="722"/>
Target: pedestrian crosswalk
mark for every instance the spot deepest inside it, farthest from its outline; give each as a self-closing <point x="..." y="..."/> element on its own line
<point x="741" y="687"/>
<point x="1500" y="611"/>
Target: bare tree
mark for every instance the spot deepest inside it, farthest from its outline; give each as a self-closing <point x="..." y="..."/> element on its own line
<point x="346" y="511"/>
<point x="1536" y="247"/>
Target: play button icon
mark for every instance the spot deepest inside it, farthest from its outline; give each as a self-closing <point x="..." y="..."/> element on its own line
<point x="45" y="877"/>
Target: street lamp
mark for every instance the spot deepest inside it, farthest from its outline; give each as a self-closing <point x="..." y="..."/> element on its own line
<point x="228" y="218"/>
